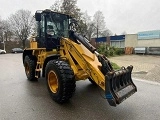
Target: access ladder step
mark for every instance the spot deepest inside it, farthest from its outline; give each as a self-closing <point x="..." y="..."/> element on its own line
<point x="38" y="70"/>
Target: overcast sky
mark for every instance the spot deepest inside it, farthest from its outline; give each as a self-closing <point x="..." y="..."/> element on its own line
<point x="131" y="16"/>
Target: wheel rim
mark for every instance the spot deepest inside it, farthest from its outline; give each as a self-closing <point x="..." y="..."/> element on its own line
<point x="53" y="81"/>
<point x="27" y="69"/>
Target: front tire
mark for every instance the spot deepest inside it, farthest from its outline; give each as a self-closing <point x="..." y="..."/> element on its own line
<point x="30" y="67"/>
<point x="60" y="80"/>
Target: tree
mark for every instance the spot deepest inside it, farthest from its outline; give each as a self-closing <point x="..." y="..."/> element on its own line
<point x="5" y="32"/>
<point x="100" y="25"/>
<point x="90" y="30"/>
<point x="56" y="6"/>
<point x="1" y="31"/>
<point x="69" y="7"/>
<point x="106" y="32"/>
<point x="21" y="24"/>
<point x="87" y="25"/>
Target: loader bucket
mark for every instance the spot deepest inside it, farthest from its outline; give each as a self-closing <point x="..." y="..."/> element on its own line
<point x="119" y="85"/>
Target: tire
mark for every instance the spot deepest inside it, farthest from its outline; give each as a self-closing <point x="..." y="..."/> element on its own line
<point x="60" y="80"/>
<point x="30" y="66"/>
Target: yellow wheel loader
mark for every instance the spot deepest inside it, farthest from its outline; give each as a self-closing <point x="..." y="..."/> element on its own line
<point x="63" y="56"/>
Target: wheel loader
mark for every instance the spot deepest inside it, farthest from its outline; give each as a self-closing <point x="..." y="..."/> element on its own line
<point x="63" y="56"/>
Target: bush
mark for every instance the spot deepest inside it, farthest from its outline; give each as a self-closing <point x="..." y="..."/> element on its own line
<point x="119" y="51"/>
<point x="106" y="53"/>
<point x="101" y="49"/>
<point x="110" y="51"/>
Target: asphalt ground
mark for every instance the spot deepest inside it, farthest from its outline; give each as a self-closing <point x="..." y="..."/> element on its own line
<point x="21" y="99"/>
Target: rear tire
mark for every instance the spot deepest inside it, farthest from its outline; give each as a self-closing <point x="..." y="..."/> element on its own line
<point x="30" y="67"/>
<point x="60" y="80"/>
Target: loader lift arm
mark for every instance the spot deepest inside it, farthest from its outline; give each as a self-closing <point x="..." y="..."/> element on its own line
<point x="118" y="85"/>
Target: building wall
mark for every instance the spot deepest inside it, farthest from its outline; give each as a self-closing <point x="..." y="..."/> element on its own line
<point x="149" y="38"/>
<point x="131" y="40"/>
<point x="117" y="41"/>
<point x="141" y="39"/>
<point x="96" y="42"/>
<point x="148" y="43"/>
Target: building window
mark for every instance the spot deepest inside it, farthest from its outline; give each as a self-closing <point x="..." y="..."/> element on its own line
<point x="118" y="44"/>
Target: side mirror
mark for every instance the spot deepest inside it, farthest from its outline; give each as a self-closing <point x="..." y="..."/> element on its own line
<point x="38" y="16"/>
<point x="74" y="26"/>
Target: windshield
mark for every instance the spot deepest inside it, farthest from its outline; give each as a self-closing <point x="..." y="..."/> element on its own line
<point x="57" y="24"/>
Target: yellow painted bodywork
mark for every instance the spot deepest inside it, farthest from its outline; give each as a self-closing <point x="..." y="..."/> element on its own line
<point x="84" y="63"/>
<point x="33" y="43"/>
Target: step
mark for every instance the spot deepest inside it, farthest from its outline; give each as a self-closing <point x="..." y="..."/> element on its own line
<point x="37" y="70"/>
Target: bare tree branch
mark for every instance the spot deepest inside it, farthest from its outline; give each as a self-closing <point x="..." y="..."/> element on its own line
<point x="100" y="25"/>
<point x="22" y="23"/>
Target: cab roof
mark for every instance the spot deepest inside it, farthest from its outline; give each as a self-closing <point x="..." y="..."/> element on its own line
<point x="50" y="11"/>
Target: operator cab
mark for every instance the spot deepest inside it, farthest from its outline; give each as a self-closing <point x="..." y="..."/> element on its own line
<point x="51" y="26"/>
